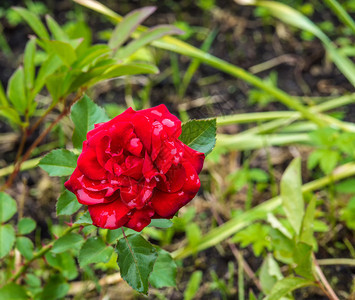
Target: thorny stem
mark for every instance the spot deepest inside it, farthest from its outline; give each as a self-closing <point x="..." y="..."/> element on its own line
<point x="323" y="282"/>
<point x="39" y="140"/>
<point x="40" y="253"/>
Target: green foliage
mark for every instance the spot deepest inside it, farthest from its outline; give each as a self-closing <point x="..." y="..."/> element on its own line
<point x="26" y="226"/>
<point x="128" y="25"/>
<point x="64" y="263"/>
<point x="25" y="246"/>
<point x="84" y="219"/>
<point x="13" y="291"/>
<point x="287" y="285"/>
<point x="193" y="285"/>
<point x="161" y="223"/>
<point x="7" y="239"/>
<point x="70" y="241"/>
<point x="136" y="258"/>
<point x="199" y="135"/>
<point x="85" y="113"/>
<point x="94" y="250"/>
<point x="257" y="235"/>
<point x="59" y="162"/>
<point x="164" y="270"/>
<point x="270" y="273"/>
<point x="348" y="214"/>
<point x="55" y="288"/>
<point x="291" y="194"/>
<point x="8" y="207"/>
<point x="16" y="91"/>
<point x="67" y="204"/>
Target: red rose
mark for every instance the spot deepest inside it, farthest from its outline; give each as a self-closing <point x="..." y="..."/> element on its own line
<point x="133" y="169"/>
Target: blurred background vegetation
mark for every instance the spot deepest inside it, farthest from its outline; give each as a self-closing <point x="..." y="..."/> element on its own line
<point x="235" y="178"/>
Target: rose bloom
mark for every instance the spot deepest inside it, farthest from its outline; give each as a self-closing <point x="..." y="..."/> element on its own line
<point x="133" y="169"/>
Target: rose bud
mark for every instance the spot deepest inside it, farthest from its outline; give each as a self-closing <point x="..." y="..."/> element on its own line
<point x="134" y="168"/>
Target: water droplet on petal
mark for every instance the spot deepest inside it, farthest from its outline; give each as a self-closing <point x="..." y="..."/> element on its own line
<point x="168" y="123"/>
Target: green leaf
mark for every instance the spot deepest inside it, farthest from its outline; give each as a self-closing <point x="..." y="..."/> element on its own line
<point x="257" y="235"/>
<point x="16" y="91"/>
<point x="29" y="63"/>
<point x="32" y="280"/>
<point x="13" y="291"/>
<point x="54" y="84"/>
<point x="303" y="258"/>
<point x="270" y="273"/>
<point x="11" y="114"/>
<point x="85" y="219"/>
<point x="193" y="233"/>
<point x="275" y="223"/>
<point x="94" y="250"/>
<point x="161" y="223"/>
<point x="64" y="50"/>
<point x="63" y="262"/>
<point x="7" y="239"/>
<point x="314" y="158"/>
<point x="85" y="113"/>
<point x="8" y="207"/>
<point x="25" y="246"/>
<point x="55" y="288"/>
<point x="308" y="223"/>
<point x="25" y="226"/>
<point x="34" y="22"/>
<point x="164" y="271"/>
<point x="147" y="37"/>
<point x="128" y="25"/>
<point x="67" y="242"/>
<point x="50" y="65"/>
<point x="200" y="135"/>
<point x="126" y="69"/>
<point x="3" y="99"/>
<point x="329" y="160"/>
<point x="193" y="285"/>
<point x="59" y="162"/>
<point x="91" y="56"/>
<point x="291" y="194"/>
<point x="136" y="258"/>
<point x="287" y="285"/>
<point x="113" y="235"/>
<point x="57" y="32"/>
<point x="67" y="204"/>
<point x="346" y="186"/>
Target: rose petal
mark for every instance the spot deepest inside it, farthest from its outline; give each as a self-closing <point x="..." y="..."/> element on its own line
<point x="73" y="184"/>
<point x="149" y="170"/>
<point x="167" y="204"/>
<point x="143" y="129"/>
<point x="88" y="164"/>
<point x="111" y="215"/>
<point x="140" y="219"/>
<point x="170" y="153"/>
<point x="172" y="125"/>
<point x="158" y="135"/>
<point x="123" y="117"/>
<point x="137" y="194"/>
<point x="87" y="197"/>
<point x="175" y="179"/>
<point x="135" y="146"/>
<point x="134" y="167"/>
<point x="194" y="157"/>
